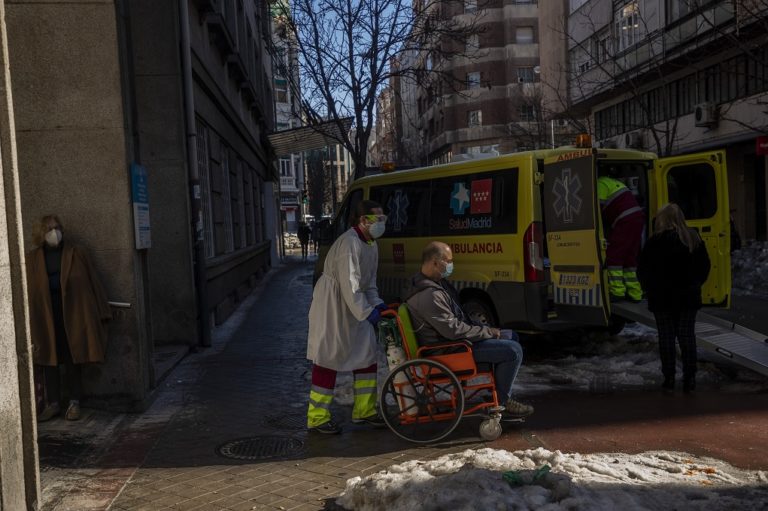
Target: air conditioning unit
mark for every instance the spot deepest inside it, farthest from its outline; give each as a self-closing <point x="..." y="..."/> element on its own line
<point x="634" y="140"/>
<point x="706" y="115"/>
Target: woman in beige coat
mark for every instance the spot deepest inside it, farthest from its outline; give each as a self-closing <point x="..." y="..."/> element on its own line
<point x="67" y="311"/>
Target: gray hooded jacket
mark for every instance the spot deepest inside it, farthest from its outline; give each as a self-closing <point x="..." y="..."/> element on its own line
<point x="436" y="314"/>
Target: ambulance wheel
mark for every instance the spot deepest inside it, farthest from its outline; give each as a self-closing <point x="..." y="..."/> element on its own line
<point x="616" y="325"/>
<point x="422" y="401"/>
<point x="490" y="430"/>
<point x="479" y="311"/>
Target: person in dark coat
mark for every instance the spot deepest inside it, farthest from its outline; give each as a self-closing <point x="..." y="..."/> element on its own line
<point x="673" y="266"/>
<point x="68" y="311"/>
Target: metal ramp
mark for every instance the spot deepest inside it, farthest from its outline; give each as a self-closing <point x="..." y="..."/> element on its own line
<point x="721" y="340"/>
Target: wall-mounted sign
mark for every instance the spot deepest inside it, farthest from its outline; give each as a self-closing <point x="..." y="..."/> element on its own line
<point x="140" y="197"/>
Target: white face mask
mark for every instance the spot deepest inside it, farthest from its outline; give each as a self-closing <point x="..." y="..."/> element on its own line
<point x="53" y="237"/>
<point x="448" y="270"/>
<point x="376" y="230"/>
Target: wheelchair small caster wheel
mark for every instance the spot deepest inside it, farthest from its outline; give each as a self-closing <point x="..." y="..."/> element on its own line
<point x="490" y="429"/>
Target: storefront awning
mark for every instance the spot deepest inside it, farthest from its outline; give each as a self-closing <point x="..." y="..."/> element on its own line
<point x="308" y="138"/>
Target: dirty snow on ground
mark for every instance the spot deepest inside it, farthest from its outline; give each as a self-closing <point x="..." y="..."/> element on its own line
<point x="750" y="269"/>
<point x="475" y="479"/>
<point x="595" y="362"/>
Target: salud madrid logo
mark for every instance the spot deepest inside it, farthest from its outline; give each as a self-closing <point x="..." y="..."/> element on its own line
<point x="567" y="199"/>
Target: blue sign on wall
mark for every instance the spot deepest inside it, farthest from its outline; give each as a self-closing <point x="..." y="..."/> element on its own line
<point x="140" y="197"/>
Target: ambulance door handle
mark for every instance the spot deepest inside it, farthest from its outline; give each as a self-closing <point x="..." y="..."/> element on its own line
<point x="706" y="228"/>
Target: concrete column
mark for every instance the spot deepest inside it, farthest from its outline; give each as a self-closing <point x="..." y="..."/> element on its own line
<point x="19" y="473"/>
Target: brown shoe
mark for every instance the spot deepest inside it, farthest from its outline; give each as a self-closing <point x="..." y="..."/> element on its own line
<point x="49" y="412"/>
<point x="73" y="411"/>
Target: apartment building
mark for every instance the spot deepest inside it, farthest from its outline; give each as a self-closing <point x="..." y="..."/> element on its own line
<point x="679" y="77"/>
<point x="488" y="95"/>
<point x="287" y="95"/>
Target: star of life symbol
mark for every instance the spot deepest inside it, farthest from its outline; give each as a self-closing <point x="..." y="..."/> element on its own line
<point x="459" y="198"/>
<point x="567" y="199"/>
<point x="397" y="205"/>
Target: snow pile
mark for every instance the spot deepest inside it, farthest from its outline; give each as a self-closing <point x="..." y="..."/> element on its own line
<point x="749" y="266"/>
<point x="474" y="480"/>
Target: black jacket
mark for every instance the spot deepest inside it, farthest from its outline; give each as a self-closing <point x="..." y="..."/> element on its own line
<point x="670" y="274"/>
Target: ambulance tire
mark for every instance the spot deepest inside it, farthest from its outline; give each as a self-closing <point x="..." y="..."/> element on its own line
<point x="616" y="325"/>
<point x="479" y="311"/>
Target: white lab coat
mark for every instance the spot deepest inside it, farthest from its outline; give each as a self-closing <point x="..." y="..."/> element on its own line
<point x="339" y="337"/>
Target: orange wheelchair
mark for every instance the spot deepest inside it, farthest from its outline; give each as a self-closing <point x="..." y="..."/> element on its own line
<point x="430" y="388"/>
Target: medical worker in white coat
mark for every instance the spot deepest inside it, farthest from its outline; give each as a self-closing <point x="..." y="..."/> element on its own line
<point x="342" y="318"/>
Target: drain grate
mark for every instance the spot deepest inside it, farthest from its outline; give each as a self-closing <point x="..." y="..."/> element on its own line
<point x="284" y="422"/>
<point x="261" y="448"/>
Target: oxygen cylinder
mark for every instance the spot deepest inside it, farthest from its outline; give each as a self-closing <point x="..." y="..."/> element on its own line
<point x="395" y="357"/>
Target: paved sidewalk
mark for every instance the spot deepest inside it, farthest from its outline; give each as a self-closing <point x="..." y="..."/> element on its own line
<point x="253" y="387"/>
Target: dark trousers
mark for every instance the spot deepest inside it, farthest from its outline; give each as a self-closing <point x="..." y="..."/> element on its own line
<point x="678" y="325"/>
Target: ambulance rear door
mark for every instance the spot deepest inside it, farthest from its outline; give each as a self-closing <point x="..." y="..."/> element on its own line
<point x="572" y="220"/>
<point x="698" y="183"/>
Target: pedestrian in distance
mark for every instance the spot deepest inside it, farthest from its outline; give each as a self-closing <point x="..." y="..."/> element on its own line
<point x="436" y="315"/>
<point x="343" y="316"/>
<point x="303" y="236"/>
<point x="673" y="266"/>
<point x="315" y="235"/>
<point x="623" y="221"/>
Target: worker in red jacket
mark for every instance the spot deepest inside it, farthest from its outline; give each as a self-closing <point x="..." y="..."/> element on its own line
<point x="623" y="221"/>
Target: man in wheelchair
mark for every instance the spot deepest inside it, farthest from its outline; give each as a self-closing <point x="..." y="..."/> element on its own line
<point x="436" y="315"/>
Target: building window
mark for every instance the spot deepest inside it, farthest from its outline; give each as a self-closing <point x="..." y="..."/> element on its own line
<point x="203" y="169"/>
<point x="677" y="9"/>
<point x="524" y="35"/>
<point x="475" y="118"/>
<point x="281" y="90"/>
<point x="470" y="6"/>
<point x="229" y="242"/>
<point x="627" y="23"/>
<point x="473" y="80"/>
<point x="527" y="113"/>
<point x="601" y="47"/>
<point x="525" y="75"/>
<point x="285" y="167"/>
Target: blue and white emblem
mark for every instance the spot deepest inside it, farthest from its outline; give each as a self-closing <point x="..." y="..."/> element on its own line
<point x="397" y="206"/>
<point x="459" y="198"/>
<point x="567" y="198"/>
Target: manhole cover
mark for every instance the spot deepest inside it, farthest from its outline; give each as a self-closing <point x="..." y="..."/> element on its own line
<point x="261" y="447"/>
<point x="283" y="422"/>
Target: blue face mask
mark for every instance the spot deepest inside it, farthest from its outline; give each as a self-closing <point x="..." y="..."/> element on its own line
<point x="377" y="229"/>
<point x="448" y="271"/>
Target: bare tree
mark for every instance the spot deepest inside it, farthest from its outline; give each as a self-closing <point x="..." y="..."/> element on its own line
<point x="346" y="48"/>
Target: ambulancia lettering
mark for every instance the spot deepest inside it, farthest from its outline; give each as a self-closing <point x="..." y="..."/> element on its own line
<point x="477" y="248"/>
<point x="569" y="280"/>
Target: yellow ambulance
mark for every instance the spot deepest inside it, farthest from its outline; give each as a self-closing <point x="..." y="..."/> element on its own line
<point x="525" y="228"/>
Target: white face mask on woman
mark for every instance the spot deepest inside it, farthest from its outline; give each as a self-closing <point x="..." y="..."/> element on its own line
<point x="53" y="237"/>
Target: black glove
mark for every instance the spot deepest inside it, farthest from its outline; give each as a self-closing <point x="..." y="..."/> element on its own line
<point x="374" y="317"/>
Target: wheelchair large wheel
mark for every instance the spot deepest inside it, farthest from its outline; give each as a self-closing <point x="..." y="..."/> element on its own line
<point x="422" y="401"/>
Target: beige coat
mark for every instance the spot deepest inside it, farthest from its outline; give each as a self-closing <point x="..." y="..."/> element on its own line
<point x="85" y="308"/>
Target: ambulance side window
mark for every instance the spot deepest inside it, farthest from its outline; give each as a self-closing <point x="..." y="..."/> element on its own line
<point x="407" y="206"/>
<point x="693" y="188"/>
<point x="471" y="204"/>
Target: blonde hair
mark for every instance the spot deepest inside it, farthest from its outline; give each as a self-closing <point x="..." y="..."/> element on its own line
<point x="41" y="228"/>
<point x="671" y="217"/>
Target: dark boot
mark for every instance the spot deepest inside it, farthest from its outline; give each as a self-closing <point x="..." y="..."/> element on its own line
<point x="689" y="384"/>
<point x="668" y="385"/>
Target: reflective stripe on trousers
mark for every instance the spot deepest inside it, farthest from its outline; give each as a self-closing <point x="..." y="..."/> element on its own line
<point x="319" y="411"/>
<point x="616" y="281"/>
<point x="365" y="395"/>
<point x="634" y="291"/>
